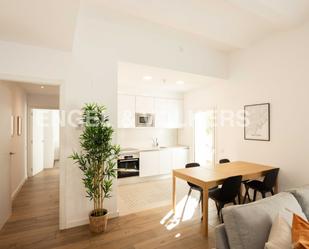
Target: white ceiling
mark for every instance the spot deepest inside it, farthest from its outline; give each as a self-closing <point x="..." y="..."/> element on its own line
<point x="45" y="23"/>
<point x="233" y="23"/>
<point x="164" y="80"/>
<point x="226" y="24"/>
<point x="37" y="89"/>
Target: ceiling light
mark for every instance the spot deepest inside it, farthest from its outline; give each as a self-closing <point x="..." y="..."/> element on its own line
<point x="42" y="87"/>
<point x="180" y="82"/>
<point x="147" y="77"/>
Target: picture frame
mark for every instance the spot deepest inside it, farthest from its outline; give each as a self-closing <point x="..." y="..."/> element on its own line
<point x="19" y="125"/>
<point x="257" y="122"/>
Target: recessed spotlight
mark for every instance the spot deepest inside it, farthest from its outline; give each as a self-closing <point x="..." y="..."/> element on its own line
<point x="147" y="77"/>
<point x="180" y="82"/>
<point x="42" y="87"/>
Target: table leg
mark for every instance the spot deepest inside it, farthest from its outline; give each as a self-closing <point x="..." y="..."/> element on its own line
<point x="174" y="193"/>
<point x="205" y="211"/>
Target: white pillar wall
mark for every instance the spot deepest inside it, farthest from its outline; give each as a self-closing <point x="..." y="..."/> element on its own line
<point x="102" y="39"/>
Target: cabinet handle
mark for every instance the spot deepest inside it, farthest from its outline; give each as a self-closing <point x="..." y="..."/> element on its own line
<point x="12" y="153"/>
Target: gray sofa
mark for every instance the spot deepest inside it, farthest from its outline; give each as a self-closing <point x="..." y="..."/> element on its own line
<point x="248" y="226"/>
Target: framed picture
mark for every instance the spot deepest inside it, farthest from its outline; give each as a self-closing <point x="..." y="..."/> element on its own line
<point x="19" y="125"/>
<point x="257" y="122"/>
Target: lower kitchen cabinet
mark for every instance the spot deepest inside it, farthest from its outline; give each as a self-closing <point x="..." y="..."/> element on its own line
<point x="162" y="161"/>
<point x="180" y="157"/>
<point x="149" y="163"/>
<point x="166" y="161"/>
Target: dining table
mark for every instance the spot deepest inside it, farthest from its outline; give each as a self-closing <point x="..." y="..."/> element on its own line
<point x="207" y="178"/>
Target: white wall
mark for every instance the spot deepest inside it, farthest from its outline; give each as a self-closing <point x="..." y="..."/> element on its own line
<point x="43" y="101"/>
<point x="28" y="63"/>
<point x="142" y="137"/>
<point x="18" y="143"/>
<point x="276" y="71"/>
<point x="102" y="39"/>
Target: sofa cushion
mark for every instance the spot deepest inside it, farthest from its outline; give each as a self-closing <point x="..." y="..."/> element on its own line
<point x="248" y="226"/>
<point x="302" y="196"/>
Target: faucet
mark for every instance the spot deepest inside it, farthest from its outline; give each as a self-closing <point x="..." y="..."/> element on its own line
<point x="155" y="142"/>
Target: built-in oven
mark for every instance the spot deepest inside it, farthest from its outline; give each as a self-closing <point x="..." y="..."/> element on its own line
<point x="128" y="165"/>
<point x="144" y="120"/>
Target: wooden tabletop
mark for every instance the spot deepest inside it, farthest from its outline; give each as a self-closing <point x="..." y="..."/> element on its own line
<point x="200" y="175"/>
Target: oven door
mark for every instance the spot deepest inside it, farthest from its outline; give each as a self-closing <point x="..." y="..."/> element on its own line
<point x="128" y="167"/>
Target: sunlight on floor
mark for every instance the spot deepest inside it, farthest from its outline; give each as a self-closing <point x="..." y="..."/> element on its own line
<point x="185" y="210"/>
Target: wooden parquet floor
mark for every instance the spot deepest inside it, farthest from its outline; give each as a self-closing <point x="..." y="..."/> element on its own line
<point x="34" y="224"/>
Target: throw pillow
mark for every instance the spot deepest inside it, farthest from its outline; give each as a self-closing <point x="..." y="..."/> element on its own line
<point x="280" y="236"/>
<point x="300" y="233"/>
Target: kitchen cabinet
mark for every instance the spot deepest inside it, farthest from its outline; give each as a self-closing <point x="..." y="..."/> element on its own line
<point x="175" y="110"/>
<point x="145" y="104"/>
<point x="126" y="111"/>
<point x="163" y="161"/>
<point x="149" y="163"/>
<point x="166" y="161"/>
<point x="168" y="113"/>
<point x="180" y="157"/>
<point x="161" y="113"/>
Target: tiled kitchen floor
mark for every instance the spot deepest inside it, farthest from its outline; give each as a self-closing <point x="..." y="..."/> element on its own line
<point x="137" y="197"/>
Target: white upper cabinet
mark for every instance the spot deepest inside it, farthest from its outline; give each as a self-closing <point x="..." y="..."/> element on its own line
<point x="169" y="113"/>
<point x="161" y="113"/>
<point x="145" y="104"/>
<point x="126" y="111"/>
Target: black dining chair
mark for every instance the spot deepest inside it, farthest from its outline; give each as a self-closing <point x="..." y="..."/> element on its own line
<point x="264" y="187"/>
<point x="226" y="194"/>
<point x="225" y="160"/>
<point x="191" y="185"/>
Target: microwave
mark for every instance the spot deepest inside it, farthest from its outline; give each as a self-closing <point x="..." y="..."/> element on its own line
<point x="144" y="120"/>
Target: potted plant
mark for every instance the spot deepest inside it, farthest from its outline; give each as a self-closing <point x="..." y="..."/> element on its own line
<point x="97" y="160"/>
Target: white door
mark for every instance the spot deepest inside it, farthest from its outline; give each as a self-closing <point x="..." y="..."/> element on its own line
<point x="37" y="141"/>
<point x="204" y="133"/>
<point x="5" y="138"/>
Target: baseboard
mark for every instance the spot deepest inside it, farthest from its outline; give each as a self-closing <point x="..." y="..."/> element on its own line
<point x="21" y="184"/>
<point x="85" y="221"/>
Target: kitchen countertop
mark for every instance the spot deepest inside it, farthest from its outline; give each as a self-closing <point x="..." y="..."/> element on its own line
<point x="144" y="149"/>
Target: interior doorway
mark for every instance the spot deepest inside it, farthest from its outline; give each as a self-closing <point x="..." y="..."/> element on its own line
<point x="204" y="138"/>
<point x="44" y="136"/>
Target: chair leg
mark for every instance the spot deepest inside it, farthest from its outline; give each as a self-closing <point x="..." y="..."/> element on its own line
<point x="234" y="202"/>
<point x="254" y="198"/>
<point x="263" y="194"/>
<point x="246" y="194"/>
<point x="190" y="191"/>
<point x="272" y="192"/>
<point x="220" y="211"/>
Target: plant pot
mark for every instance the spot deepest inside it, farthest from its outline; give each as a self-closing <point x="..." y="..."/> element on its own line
<point x="98" y="224"/>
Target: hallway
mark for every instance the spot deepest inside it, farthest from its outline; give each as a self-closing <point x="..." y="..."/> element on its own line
<point x="35" y="216"/>
<point x="35" y="225"/>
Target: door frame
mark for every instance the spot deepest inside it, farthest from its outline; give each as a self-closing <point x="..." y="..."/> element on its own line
<point x="214" y="109"/>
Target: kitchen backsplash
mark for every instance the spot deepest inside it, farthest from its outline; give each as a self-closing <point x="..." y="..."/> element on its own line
<point x="142" y="137"/>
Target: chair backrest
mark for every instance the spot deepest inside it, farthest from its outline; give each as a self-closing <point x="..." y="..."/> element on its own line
<point x="271" y="178"/>
<point x="225" y="160"/>
<point x="192" y="165"/>
<point x="230" y="188"/>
